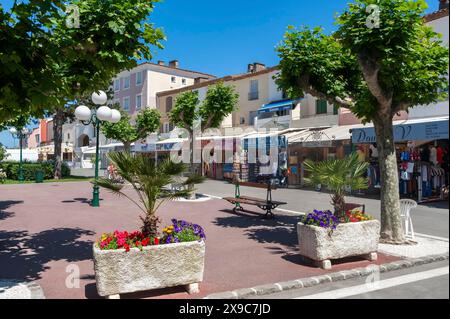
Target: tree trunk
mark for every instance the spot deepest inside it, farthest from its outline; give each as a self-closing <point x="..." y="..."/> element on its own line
<point x="58" y="122"/>
<point x="191" y="152"/>
<point x="150" y="226"/>
<point x="391" y="222"/>
<point x="191" y="161"/>
<point x="127" y="146"/>
<point x="338" y="202"/>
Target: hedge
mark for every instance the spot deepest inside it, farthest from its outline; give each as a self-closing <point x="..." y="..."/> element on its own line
<point x="29" y="170"/>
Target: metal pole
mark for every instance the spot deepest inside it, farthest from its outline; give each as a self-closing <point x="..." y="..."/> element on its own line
<point x="21" y="179"/>
<point x="96" y="191"/>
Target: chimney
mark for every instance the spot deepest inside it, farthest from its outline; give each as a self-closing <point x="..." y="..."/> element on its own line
<point x="443" y="4"/>
<point x="160" y="62"/>
<point x="259" y="66"/>
<point x="174" y="64"/>
<point x="200" y="79"/>
<point x="255" y="67"/>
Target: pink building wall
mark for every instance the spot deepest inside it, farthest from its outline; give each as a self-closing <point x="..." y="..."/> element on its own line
<point x="133" y="91"/>
<point x="32" y="143"/>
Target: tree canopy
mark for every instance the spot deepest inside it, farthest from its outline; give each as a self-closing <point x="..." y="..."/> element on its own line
<point x="147" y="121"/>
<point x="397" y="65"/>
<point x="46" y="62"/>
<point x="221" y="100"/>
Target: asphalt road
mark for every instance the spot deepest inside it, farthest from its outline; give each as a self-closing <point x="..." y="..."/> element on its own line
<point x="430" y="219"/>
<point x="423" y="282"/>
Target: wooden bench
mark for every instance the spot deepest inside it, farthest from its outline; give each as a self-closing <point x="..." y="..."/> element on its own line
<point x="266" y="204"/>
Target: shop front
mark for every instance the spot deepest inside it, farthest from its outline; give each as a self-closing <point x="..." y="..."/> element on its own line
<point x="316" y="145"/>
<point x="422" y="157"/>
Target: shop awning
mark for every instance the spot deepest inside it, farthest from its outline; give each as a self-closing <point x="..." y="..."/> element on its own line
<point x="425" y="129"/>
<point x="277" y="106"/>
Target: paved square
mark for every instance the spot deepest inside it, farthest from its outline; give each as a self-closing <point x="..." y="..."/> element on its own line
<point x="47" y="231"/>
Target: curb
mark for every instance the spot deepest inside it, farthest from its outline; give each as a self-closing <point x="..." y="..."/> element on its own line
<point x="331" y="277"/>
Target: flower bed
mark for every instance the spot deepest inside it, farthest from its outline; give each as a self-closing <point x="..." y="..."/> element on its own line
<point x="323" y="237"/>
<point x="179" y="232"/>
<point x="130" y="262"/>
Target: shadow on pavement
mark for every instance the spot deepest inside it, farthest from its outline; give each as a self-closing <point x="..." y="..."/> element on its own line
<point x="79" y="200"/>
<point x="24" y="256"/>
<point x="281" y="230"/>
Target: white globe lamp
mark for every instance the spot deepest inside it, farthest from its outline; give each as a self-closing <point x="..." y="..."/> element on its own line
<point x="83" y="113"/>
<point x="104" y="113"/>
<point x="115" y="116"/>
<point x="99" y="98"/>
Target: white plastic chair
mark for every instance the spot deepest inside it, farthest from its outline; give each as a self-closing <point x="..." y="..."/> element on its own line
<point x="405" y="209"/>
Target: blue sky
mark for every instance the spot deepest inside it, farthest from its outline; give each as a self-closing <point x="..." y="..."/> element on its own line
<point x="222" y="37"/>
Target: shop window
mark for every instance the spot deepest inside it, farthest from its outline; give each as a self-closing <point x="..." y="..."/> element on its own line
<point x="321" y="107"/>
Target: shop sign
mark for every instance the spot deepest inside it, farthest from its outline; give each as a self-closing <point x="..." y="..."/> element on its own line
<point x="428" y="131"/>
<point x="318" y="144"/>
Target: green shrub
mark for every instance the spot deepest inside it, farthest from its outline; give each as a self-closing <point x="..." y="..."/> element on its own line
<point x="29" y="170"/>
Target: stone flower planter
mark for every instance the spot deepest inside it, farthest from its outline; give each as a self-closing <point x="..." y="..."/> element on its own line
<point x="349" y="239"/>
<point x="161" y="266"/>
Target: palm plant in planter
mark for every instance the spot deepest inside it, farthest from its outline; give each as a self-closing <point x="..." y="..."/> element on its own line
<point x="129" y="262"/>
<point x="324" y="236"/>
<point x="148" y="180"/>
<point x="338" y="175"/>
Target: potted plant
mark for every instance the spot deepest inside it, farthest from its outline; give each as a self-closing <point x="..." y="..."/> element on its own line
<point x="142" y="260"/>
<point x="323" y="235"/>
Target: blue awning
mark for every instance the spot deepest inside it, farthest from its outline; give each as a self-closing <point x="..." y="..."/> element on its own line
<point x="277" y="106"/>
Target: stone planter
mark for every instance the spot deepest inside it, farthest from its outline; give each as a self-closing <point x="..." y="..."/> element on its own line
<point x="161" y="266"/>
<point x="349" y="239"/>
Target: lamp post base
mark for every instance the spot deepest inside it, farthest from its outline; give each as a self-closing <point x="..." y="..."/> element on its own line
<point x="96" y="197"/>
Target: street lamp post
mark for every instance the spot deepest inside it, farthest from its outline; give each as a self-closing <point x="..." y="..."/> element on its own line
<point x="96" y="117"/>
<point x="21" y="135"/>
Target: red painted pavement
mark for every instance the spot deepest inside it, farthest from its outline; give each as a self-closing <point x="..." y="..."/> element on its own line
<point x="46" y="227"/>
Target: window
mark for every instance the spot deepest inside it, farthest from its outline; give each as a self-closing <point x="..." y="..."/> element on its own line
<point x="126" y="83"/>
<point x="242" y="120"/>
<point x="139" y="78"/>
<point x="117" y="85"/>
<point x="68" y="136"/>
<point x="174" y="79"/>
<point x="254" y="91"/>
<point x="321" y="107"/>
<point x="126" y="103"/>
<point x="38" y="138"/>
<point x="169" y="104"/>
<point x="138" y="101"/>
<point x="183" y="81"/>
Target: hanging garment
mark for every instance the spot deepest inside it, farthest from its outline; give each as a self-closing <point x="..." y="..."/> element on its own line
<point x="440" y="155"/>
<point x="433" y="155"/>
<point x="410" y="168"/>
